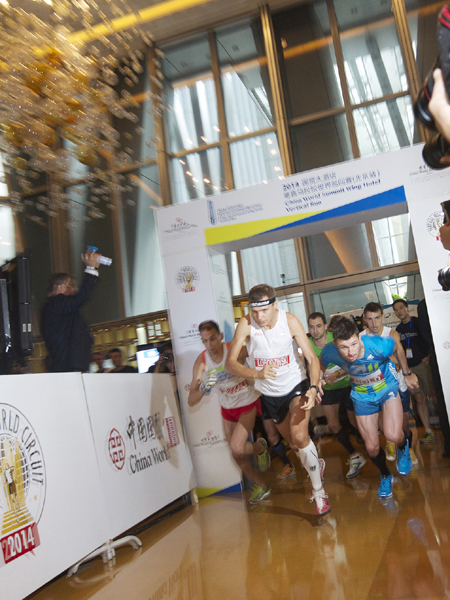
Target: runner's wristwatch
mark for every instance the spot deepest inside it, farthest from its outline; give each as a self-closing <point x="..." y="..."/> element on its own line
<point x="316" y="388"/>
<point x="409" y="372"/>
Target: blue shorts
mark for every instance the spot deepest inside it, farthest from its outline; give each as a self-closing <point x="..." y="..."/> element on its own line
<point x="406" y="400"/>
<point x="369" y="404"/>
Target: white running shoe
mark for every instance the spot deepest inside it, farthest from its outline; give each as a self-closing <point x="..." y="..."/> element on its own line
<point x="356" y="464"/>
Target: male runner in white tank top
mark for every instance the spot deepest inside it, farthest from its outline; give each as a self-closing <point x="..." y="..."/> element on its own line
<point x="239" y="405"/>
<point x="374" y="319"/>
<point x="273" y="337"/>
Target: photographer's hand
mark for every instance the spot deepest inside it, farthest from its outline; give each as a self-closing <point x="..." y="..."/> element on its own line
<point x="440" y="109"/>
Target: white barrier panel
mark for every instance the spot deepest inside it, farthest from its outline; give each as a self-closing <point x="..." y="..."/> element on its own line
<point x="51" y="502"/>
<point x="141" y="452"/>
<point x="426" y="218"/>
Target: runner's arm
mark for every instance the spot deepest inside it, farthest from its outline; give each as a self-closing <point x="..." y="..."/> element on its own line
<point x="232" y="364"/>
<point x="399" y="353"/>
<point x="195" y="393"/>
<point x="299" y="335"/>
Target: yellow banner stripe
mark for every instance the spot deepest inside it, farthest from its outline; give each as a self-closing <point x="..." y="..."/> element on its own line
<point x="204" y="492"/>
<point x="230" y="233"/>
<point x="151" y="13"/>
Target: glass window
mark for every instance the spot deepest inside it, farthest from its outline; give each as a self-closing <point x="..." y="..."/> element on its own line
<point x="354" y="297"/>
<point x="144" y="285"/>
<point x="7" y="234"/>
<point x="295" y="304"/>
<point x="197" y="175"/>
<point x="136" y="134"/>
<point x="256" y="160"/>
<point x="320" y="143"/>
<point x="385" y="126"/>
<point x="34" y="226"/>
<point x="191" y="96"/>
<point x="274" y="264"/>
<point x="339" y="251"/>
<point x="371" y="49"/>
<point x="309" y="71"/>
<point x="245" y="79"/>
<point x="233" y="273"/>
<point x="91" y="223"/>
<point x="3" y="186"/>
<point x="394" y="240"/>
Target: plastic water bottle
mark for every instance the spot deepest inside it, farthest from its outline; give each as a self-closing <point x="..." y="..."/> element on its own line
<point x="104" y="260"/>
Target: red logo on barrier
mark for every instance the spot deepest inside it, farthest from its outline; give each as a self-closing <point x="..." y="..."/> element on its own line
<point x="116" y="449"/>
<point x="174" y="440"/>
<point x="20" y="542"/>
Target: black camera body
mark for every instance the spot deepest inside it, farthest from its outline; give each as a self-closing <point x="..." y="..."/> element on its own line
<point x="438" y="146"/>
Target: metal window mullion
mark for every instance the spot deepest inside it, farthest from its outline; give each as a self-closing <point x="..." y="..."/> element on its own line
<point x="229" y="182"/>
<point x="119" y="241"/>
<point x="343" y="79"/>
<point x="279" y="103"/>
<point x="161" y="152"/>
<point x="409" y="60"/>
<point x="282" y="123"/>
<point x="240" y="271"/>
<point x="372" y="245"/>
<point x="337" y="281"/>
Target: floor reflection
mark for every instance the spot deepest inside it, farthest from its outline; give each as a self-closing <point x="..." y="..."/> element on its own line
<point x="224" y="548"/>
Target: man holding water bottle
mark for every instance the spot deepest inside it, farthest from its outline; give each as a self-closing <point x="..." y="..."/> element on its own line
<point x="65" y="332"/>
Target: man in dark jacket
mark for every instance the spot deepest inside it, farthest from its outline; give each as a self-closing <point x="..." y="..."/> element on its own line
<point x="63" y="328"/>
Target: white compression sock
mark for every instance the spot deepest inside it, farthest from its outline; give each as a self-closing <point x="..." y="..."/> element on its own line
<point x="309" y="459"/>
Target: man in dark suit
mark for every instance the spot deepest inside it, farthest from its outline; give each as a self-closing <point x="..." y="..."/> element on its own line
<point x="65" y="332"/>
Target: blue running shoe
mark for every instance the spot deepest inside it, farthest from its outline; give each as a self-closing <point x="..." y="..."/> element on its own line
<point x="404" y="462"/>
<point x="385" y="489"/>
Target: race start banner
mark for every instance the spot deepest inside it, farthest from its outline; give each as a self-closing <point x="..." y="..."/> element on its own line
<point x="303" y="204"/>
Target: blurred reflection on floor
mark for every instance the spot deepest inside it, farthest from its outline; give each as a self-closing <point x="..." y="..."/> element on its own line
<point x="223" y="548"/>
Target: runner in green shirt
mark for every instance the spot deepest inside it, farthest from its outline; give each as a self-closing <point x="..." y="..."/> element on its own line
<point x="336" y="391"/>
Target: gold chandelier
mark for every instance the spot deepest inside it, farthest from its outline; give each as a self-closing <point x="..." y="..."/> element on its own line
<point x="57" y="96"/>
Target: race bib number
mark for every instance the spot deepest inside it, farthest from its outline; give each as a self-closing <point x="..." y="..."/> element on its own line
<point x="369" y="379"/>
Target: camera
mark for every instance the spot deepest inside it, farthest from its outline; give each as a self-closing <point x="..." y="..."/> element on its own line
<point x="438" y="146"/>
<point x="444" y="278"/>
<point x="167" y="357"/>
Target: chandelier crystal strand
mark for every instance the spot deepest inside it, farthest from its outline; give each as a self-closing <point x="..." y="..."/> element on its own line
<point x="54" y="88"/>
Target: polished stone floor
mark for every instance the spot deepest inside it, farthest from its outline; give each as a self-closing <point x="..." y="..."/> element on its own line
<point x="224" y="549"/>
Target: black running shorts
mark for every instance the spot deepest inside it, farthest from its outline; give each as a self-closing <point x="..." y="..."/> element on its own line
<point x="277" y="407"/>
<point x="338" y="396"/>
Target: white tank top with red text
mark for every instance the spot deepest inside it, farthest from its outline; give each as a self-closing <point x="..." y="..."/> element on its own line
<point x="234" y="392"/>
<point x="276" y="346"/>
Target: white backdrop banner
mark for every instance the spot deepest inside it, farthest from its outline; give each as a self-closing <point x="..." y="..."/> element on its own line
<point x="307" y="203"/>
<point x="143" y="460"/>
<point x="426" y="218"/>
<point x="51" y="501"/>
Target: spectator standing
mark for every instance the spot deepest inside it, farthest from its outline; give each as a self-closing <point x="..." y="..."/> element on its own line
<point x="65" y="332"/>
<point x="117" y="360"/>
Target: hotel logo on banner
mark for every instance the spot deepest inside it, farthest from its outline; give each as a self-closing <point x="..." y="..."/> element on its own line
<point x="187" y="279"/>
<point x="180" y="229"/>
<point x="149" y="442"/>
<point x="22" y="485"/>
<point x="434" y="223"/>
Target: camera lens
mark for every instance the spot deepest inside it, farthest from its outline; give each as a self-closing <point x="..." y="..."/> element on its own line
<point x="444" y="279"/>
<point x="421" y="111"/>
<point x="434" y="150"/>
